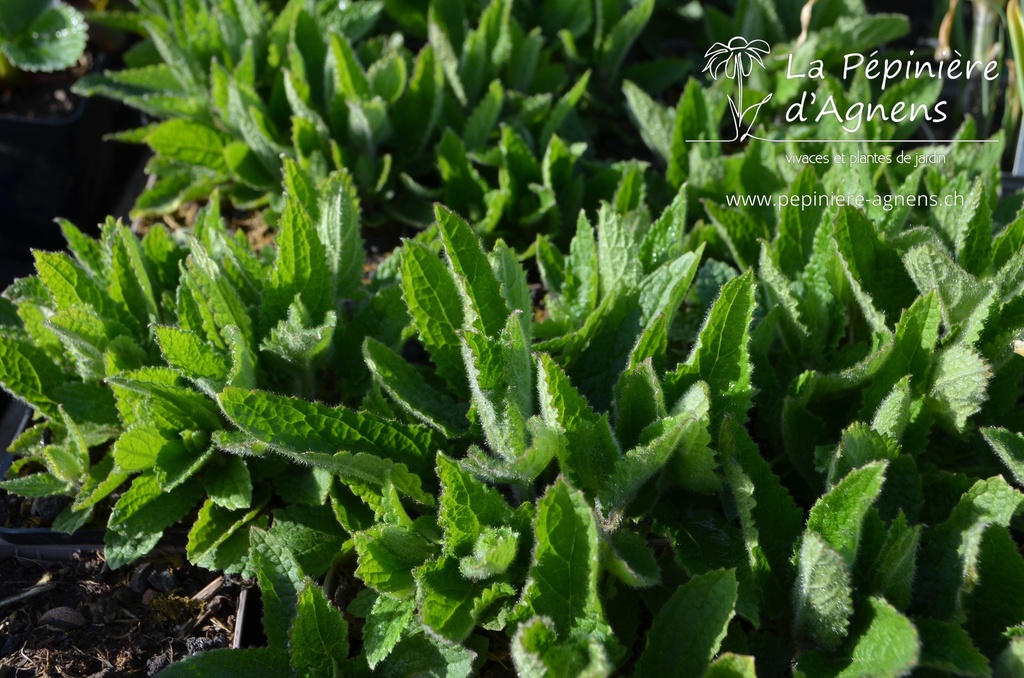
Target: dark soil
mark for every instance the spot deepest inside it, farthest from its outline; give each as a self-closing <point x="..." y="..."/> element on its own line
<point x="259" y="233"/>
<point x="43" y="96"/>
<point x="378" y="242"/>
<point x="79" y="618"/>
<point x="19" y="513"/>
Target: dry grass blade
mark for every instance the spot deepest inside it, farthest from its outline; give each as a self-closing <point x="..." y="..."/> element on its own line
<point x="943" y="51"/>
<point x="210" y="589"/>
<point x="805" y="21"/>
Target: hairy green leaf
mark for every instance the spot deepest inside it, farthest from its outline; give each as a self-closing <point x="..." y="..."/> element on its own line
<point x="563" y="578"/>
<point x="412" y="392"/>
<point x="433" y="300"/>
<point x="721" y="355"/>
<point x="141" y="515"/>
<point x="837" y="516"/>
<point x="269" y="662"/>
<point x="822" y="597"/>
<point x="280" y="579"/>
<point x="700" y="610"/>
<point x="319" y="636"/>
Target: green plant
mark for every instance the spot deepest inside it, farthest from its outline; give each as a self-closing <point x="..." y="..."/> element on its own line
<point x="122" y="349"/>
<point x="309" y="636"/>
<point x="823" y="501"/>
<point x="239" y="89"/>
<point x="737" y="196"/>
<point x="1015" y="33"/>
<point x="39" y="35"/>
<point x="737" y="439"/>
<point x="985" y="44"/>
<point x="831" y="104"/>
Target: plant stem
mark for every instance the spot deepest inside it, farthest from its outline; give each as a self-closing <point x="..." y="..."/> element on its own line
<point x="984" y="38"/>
<point x="739" y="103"/>
<point x="1018" y="156"/>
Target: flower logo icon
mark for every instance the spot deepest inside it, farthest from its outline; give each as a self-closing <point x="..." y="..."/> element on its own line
<point x="736" y="59"/>
<point x="738" y="56"/>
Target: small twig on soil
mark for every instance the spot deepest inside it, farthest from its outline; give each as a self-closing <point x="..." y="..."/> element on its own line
<point x="191" y="624"/>
<point x="208" y="590"/>
<point x="28" y="593"/>
<point x="203" y="595"/>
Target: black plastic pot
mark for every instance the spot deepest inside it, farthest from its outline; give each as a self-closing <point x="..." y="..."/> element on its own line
<point x="35" y="543"/>
<point x="52" y="168"/>
<point x="43" y="543"/>
<point x="47" y="545"/>
<point x="61" y="168"/>
<point x="12" y="266"/>
<point x="1011" y="183"/>
<point x="13" y="420"/>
